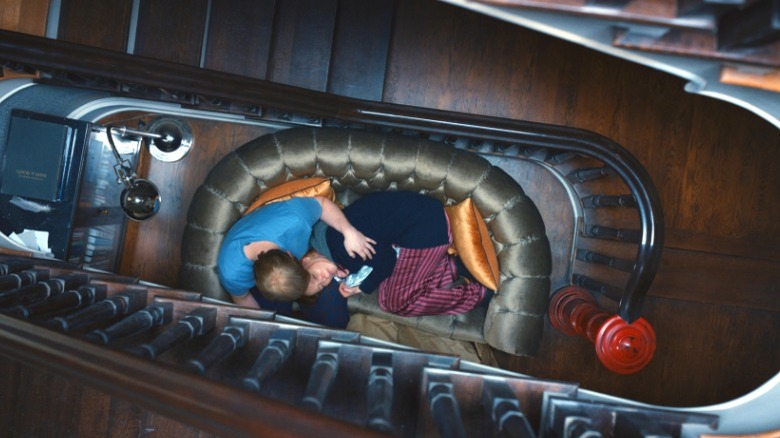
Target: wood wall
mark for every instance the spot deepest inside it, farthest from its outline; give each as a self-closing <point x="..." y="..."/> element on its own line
<point x="714" y="303"/>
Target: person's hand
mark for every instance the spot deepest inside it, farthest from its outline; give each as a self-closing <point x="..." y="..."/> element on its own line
<point x="357" y="244"/>
<point x="347" y="292"/>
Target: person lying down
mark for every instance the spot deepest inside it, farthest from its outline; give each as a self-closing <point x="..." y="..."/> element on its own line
<point x="409" y="268"/>
<point x="401" y="252"/>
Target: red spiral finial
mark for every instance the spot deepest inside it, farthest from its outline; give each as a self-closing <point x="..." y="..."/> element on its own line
<point x="623" y="348"/>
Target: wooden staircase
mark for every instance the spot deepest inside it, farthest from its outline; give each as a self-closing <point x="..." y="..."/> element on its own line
<point x="109" y="331"/>
<point x="619" y="228"/>
<point x="144" y="387"/>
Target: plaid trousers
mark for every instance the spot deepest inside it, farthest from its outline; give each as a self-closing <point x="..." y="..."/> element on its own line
<point x="421" y="284"/>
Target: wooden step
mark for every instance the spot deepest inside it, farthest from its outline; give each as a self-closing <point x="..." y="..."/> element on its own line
<point x="698" y="44"/>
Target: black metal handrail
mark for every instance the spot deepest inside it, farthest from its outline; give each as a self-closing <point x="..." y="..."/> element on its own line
<point x="119" y="69"/>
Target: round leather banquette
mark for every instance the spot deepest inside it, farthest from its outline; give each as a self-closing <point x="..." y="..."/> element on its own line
<point x="359" y="162"/>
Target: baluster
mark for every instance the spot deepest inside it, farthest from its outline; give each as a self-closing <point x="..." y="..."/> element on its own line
<point x="566" y="416"/>
<point x="42" y="289"/>
<point x="273" y="356"/>
<point x="558" y="157"/>
<point x="233" y="337"/>
<point x="12" y="266"/>
<point x="643" y="425"/>
<point x="16" y="280"/>
<point x="120" y="304"/>
<point x="596" y="201"/>
<point x="152" y="315"/>
<point x="583" y="175"/>
<point x="613" y="262"/>
<point x="607" y="290"/>
<point x="504" y="409"/>
<point x="509" y="149"/>
<point x="380" y="392"/>
<point x="580" y="427"/>
<point x="623" y="348"/>
<point x="66" y="302"/>
<point x="618" y="234"/>
<point x="321" y="378"/>
<point x="444" y="407"/>
<point x="197" y="323"/>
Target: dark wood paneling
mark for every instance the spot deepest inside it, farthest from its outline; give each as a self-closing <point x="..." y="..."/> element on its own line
<point x="500" y="70"/>
<point x="10" y="374"/>
<point x="26" y="16"/>
<point x="748" y="248"/>
<point x="77" y="15"/>
<point x="239" y="36"/>
<point x="37" y="397"/>
<point x="302" y="42"/>
<point x="171" y="30"/>
<point x="361" y="47"/>
<point x="37" y="403"/>
<point x="713" y="278"/>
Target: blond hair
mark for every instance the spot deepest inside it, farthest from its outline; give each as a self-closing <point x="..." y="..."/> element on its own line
<point x="280" y="276"/>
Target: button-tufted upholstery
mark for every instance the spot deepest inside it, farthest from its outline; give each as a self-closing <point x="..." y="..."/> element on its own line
<point x="359" y="162"/>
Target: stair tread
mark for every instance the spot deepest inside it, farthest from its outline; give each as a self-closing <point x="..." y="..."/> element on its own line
<point x="700" y="44"/>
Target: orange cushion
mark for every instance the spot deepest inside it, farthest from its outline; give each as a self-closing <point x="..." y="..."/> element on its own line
<point x="294" y="188"/>
<point x="472" y="242"/>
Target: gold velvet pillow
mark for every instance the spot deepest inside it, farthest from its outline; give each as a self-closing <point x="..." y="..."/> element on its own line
<point x="472" y="242"/>
<point x="294" y="188"/>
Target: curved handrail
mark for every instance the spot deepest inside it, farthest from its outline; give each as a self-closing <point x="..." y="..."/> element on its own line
<point x="117" y="69"/>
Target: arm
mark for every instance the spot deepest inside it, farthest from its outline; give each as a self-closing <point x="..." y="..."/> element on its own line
<point x="246" y="300"/>
<point x="355" y="242"/>
<point x="383" y="265"/>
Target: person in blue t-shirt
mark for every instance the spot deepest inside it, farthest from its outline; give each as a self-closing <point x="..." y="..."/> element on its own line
<point x="411" y="269"/>
<point x="261" y="250"/>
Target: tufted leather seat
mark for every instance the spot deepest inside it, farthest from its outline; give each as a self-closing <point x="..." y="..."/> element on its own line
<point x="359" y="162"/>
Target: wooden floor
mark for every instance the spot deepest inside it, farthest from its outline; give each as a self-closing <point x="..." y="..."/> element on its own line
<point x="714" y="303"/>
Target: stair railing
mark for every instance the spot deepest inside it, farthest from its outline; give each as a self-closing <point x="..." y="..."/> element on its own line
<point x="254" y="375"/>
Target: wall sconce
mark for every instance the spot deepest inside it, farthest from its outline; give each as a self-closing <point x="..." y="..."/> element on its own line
<point x="171" y="139"/>
<point x="140" y="199"/>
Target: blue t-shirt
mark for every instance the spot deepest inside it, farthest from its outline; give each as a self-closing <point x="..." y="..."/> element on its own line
<point x="288" y="224"/>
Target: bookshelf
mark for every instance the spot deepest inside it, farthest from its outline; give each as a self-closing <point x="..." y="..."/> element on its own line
<point x="78" y="203"/>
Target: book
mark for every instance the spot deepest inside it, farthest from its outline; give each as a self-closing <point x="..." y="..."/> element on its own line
<point x="37" y="159"/>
